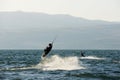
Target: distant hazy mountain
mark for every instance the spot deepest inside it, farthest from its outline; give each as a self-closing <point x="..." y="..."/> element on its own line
<point x="35" y="30"/>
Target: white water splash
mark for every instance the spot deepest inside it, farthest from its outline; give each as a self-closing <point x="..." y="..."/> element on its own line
<point x="58" y="63"/>
<point x="92" y="57"/>
<point x="55" y="62"/>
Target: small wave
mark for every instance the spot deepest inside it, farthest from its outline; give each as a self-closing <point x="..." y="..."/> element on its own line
<point x="92" y="57"/>
<point x="115" y="61"/>
<point x="59" y="63"/>
<point x="16" y="68"/>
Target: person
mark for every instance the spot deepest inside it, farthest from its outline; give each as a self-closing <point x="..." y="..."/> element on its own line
<point x="47" y="49"/>
<point x="82" y="54"/>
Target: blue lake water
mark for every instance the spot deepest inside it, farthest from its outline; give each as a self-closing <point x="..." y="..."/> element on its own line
<point x="60" y="65"/>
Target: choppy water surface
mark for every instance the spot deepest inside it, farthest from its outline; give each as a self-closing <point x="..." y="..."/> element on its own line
<point x="60" y="65"/>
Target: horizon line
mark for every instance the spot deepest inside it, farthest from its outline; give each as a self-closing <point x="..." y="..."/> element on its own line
<point x="56" y="49"/>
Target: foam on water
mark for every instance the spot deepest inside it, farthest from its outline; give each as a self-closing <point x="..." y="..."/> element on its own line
<point x="92" y="57"/>
<point x="54" y="62"/>
<point x="60" y="63"/>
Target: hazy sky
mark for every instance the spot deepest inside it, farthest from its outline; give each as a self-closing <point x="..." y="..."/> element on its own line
<point x="91" y="9"/>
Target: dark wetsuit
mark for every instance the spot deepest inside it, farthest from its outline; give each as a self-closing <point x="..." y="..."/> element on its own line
<point x="82" y="54"/>
<point x="47" y="50"/>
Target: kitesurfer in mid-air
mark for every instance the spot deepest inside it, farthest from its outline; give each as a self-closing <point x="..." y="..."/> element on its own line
<point x="47" y="49"/>
<point x="82" y="54"/>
